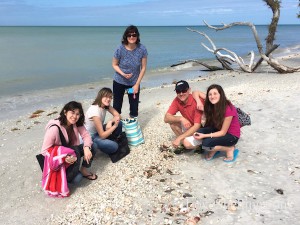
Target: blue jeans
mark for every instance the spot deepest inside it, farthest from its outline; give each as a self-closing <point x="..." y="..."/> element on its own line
<point x="210" y="143"/>
<point x="106" y="145"/>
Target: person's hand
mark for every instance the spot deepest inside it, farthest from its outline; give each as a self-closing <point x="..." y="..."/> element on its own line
<point x="135" y="89"/>
<point x="87" y="154"/>
<point x="185" y="123"/>
<point x="128" y="75"/>
<point x="117" y="118"/>
<point x="200" y="106"/>
<point x="70" y="159"/>
<point x="109" y="124"/>
<point x="115" y="124"/>
<point x="176" y="142"/>
<point x="198" y="136"/>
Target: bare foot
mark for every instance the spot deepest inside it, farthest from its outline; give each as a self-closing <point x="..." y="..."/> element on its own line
<point x="86" y="173"/>
<point x="229" y="154"/>
<point x="91" y="176"/>
<point x="210" y="155"/>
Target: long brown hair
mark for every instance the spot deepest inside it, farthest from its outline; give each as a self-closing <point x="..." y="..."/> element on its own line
<point x="71" y="106"/>
<point x="104" y="92"/>
<point x="215" y="113"/>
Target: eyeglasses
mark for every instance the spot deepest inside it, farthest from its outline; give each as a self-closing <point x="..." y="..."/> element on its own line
<point x="182" y="91"/>
<point x="131" y="35"/>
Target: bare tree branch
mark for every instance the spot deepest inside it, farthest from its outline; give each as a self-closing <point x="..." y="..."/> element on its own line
<point x="240" y="61"/>
<point x="224" y="63"/>
<point x="221" y="57"/>
<point x="270" y="47"/>
<point x="267" y="54"/>
<point x="251" y="25"/>
<point x="272" y="62"/>
<point x="212" y="44"/>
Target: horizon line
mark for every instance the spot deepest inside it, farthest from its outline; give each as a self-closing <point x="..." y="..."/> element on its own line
<point x="127" y="25"/>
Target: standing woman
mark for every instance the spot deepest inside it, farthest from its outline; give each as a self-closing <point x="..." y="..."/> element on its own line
<point x="129" y="62"/>
<point x="71" y="123"/>
<point x="95" y="118"/>
<point x="222" y="128"/>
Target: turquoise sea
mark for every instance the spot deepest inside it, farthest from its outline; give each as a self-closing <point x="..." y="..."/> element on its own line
<point x="36" y="58"/>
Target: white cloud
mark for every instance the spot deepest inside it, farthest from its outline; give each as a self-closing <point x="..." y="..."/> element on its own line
<point x="214" y="11"/>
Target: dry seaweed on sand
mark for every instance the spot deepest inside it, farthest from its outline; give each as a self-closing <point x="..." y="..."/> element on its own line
<point x="36" y="113"/>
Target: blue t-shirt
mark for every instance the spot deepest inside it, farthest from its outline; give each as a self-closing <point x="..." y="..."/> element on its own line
<point x="129" y="62"/>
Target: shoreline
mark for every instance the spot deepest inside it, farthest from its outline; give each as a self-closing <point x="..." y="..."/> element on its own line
<point x="180" y="186"/>
<point x="188" y="70"/>
<point x="13" y="105"/>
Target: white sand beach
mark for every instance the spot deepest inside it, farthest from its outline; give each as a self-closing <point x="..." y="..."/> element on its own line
<point x="153" y="187"/>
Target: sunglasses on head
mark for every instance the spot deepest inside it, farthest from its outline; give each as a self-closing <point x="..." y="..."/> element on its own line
<point x="131" y="35"/>
<point x="182" y="91"/>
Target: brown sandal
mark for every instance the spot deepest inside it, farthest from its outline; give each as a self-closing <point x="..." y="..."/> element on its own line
<point x="91" y="176"/>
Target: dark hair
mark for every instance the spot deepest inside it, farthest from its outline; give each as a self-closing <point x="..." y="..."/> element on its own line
<point x="104" y="92"/>
<point x="214" y="113"/>
<point x="71" y="106"/>
<point x="131" y="29"/>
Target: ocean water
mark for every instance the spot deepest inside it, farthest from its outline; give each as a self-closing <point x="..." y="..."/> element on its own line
<point x="40" y="58"/>
<point x="43" y="67"/>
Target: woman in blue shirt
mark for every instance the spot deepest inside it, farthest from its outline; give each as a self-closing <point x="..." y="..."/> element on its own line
<point x="129" y="62"/>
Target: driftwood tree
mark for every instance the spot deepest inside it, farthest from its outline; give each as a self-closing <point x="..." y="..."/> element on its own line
<point x="270" y="47"/>
<point x="275" y="6"/>
<point x="299" y="12"/>
<point x="225" y="59"/>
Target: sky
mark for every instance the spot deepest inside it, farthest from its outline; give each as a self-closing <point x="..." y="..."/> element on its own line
<point x="141" y="12"/>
